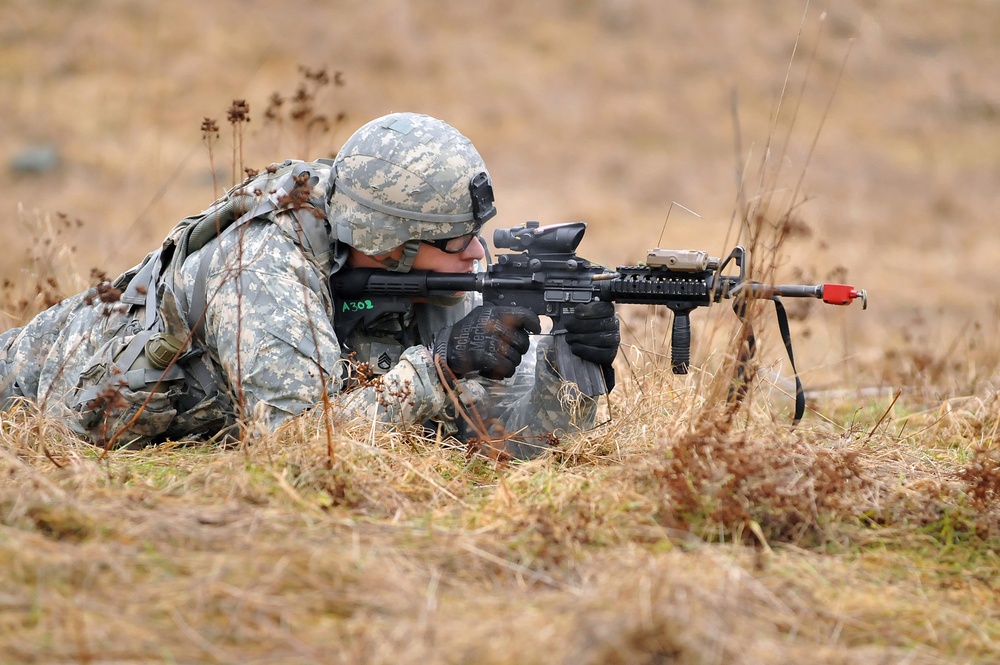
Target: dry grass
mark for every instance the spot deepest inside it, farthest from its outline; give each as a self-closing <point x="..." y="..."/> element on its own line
<point x="627" y="545"/>
<point x="678" y="531"/>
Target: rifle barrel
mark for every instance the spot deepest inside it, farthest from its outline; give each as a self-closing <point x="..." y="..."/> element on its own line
<point x="799" y="291"/>
<point x="831" y="294"/>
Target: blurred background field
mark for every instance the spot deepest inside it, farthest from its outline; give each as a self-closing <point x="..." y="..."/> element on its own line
<point x="886" y="146"/>
<point x="601" y="110"/>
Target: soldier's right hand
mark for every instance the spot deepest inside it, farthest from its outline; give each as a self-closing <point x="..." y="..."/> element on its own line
<point x="489" y="340"/>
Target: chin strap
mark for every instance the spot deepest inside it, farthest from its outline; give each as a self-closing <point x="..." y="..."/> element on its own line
<point x="405" y="262"/>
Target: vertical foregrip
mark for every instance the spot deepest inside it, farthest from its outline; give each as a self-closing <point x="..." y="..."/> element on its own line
<point x="680" y="342"/>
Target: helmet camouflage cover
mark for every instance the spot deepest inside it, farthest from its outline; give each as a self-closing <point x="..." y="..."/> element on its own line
<point x="405" y="177"/>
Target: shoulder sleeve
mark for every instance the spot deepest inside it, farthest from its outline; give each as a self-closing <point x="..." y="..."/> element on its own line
<point x="409" y="393"/>
<point x="267" y="323"/>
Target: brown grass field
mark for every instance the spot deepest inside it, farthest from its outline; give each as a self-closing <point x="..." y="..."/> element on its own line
<point x="676" y="532"/>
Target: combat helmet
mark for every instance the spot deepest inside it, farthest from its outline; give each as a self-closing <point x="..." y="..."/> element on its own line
<point x="404" y="178"/>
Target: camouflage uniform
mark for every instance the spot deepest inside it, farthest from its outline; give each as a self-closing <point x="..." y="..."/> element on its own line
<point x="250" y="277"/>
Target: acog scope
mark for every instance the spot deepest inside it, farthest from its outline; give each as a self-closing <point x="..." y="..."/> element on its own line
<point x="551" y="239"/>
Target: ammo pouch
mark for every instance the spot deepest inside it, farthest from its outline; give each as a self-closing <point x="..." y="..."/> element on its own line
<point x="131" y="395"/>
<point x="124" y="389"/>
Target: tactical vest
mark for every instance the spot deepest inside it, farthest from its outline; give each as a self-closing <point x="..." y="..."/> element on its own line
<point x="166" y="385"/>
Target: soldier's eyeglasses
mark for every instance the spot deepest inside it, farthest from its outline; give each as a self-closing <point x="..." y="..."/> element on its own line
<point x="453" y="245"/>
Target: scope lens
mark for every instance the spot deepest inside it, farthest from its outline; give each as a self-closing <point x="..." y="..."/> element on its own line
<point x="503" y="238"/>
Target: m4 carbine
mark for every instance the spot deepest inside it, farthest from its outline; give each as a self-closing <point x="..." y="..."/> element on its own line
<point x="544" y="274"/>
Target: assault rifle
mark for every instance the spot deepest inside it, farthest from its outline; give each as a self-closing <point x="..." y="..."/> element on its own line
<point x="544" y="274"/>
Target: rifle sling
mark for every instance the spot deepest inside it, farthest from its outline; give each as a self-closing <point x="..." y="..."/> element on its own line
<point x="738" y="391"/>
<point x="786" y="338"/>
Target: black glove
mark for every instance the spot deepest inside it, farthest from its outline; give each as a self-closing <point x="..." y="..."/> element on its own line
<point x="489" y="340"/>
<point x="593" y="334"/>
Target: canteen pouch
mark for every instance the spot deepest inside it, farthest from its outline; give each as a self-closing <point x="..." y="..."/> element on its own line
<point x="113" y="396"/>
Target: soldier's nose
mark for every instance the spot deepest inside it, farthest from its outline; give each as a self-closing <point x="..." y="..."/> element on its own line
<point x="475" y="250"/>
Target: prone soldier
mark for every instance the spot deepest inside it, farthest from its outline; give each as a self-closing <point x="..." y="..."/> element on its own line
<point x="234" y="319"/>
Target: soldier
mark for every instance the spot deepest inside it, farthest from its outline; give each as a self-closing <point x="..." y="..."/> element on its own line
<point x="232" y="320"/>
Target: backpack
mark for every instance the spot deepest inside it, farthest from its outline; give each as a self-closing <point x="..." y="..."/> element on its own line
<point x="152" y="379"/>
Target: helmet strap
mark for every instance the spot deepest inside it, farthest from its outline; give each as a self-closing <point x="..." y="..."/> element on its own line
<point x="405" y="262"/>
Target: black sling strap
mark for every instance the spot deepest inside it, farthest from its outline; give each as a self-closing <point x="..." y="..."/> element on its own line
<point x="786" y="338"/>
<point x="747" y="352"/>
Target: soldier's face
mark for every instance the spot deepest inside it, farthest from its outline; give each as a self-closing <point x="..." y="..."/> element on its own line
<point x="428" y="258"/>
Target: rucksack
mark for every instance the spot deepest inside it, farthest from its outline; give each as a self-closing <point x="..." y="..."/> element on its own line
<point x="153" y="379"/>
